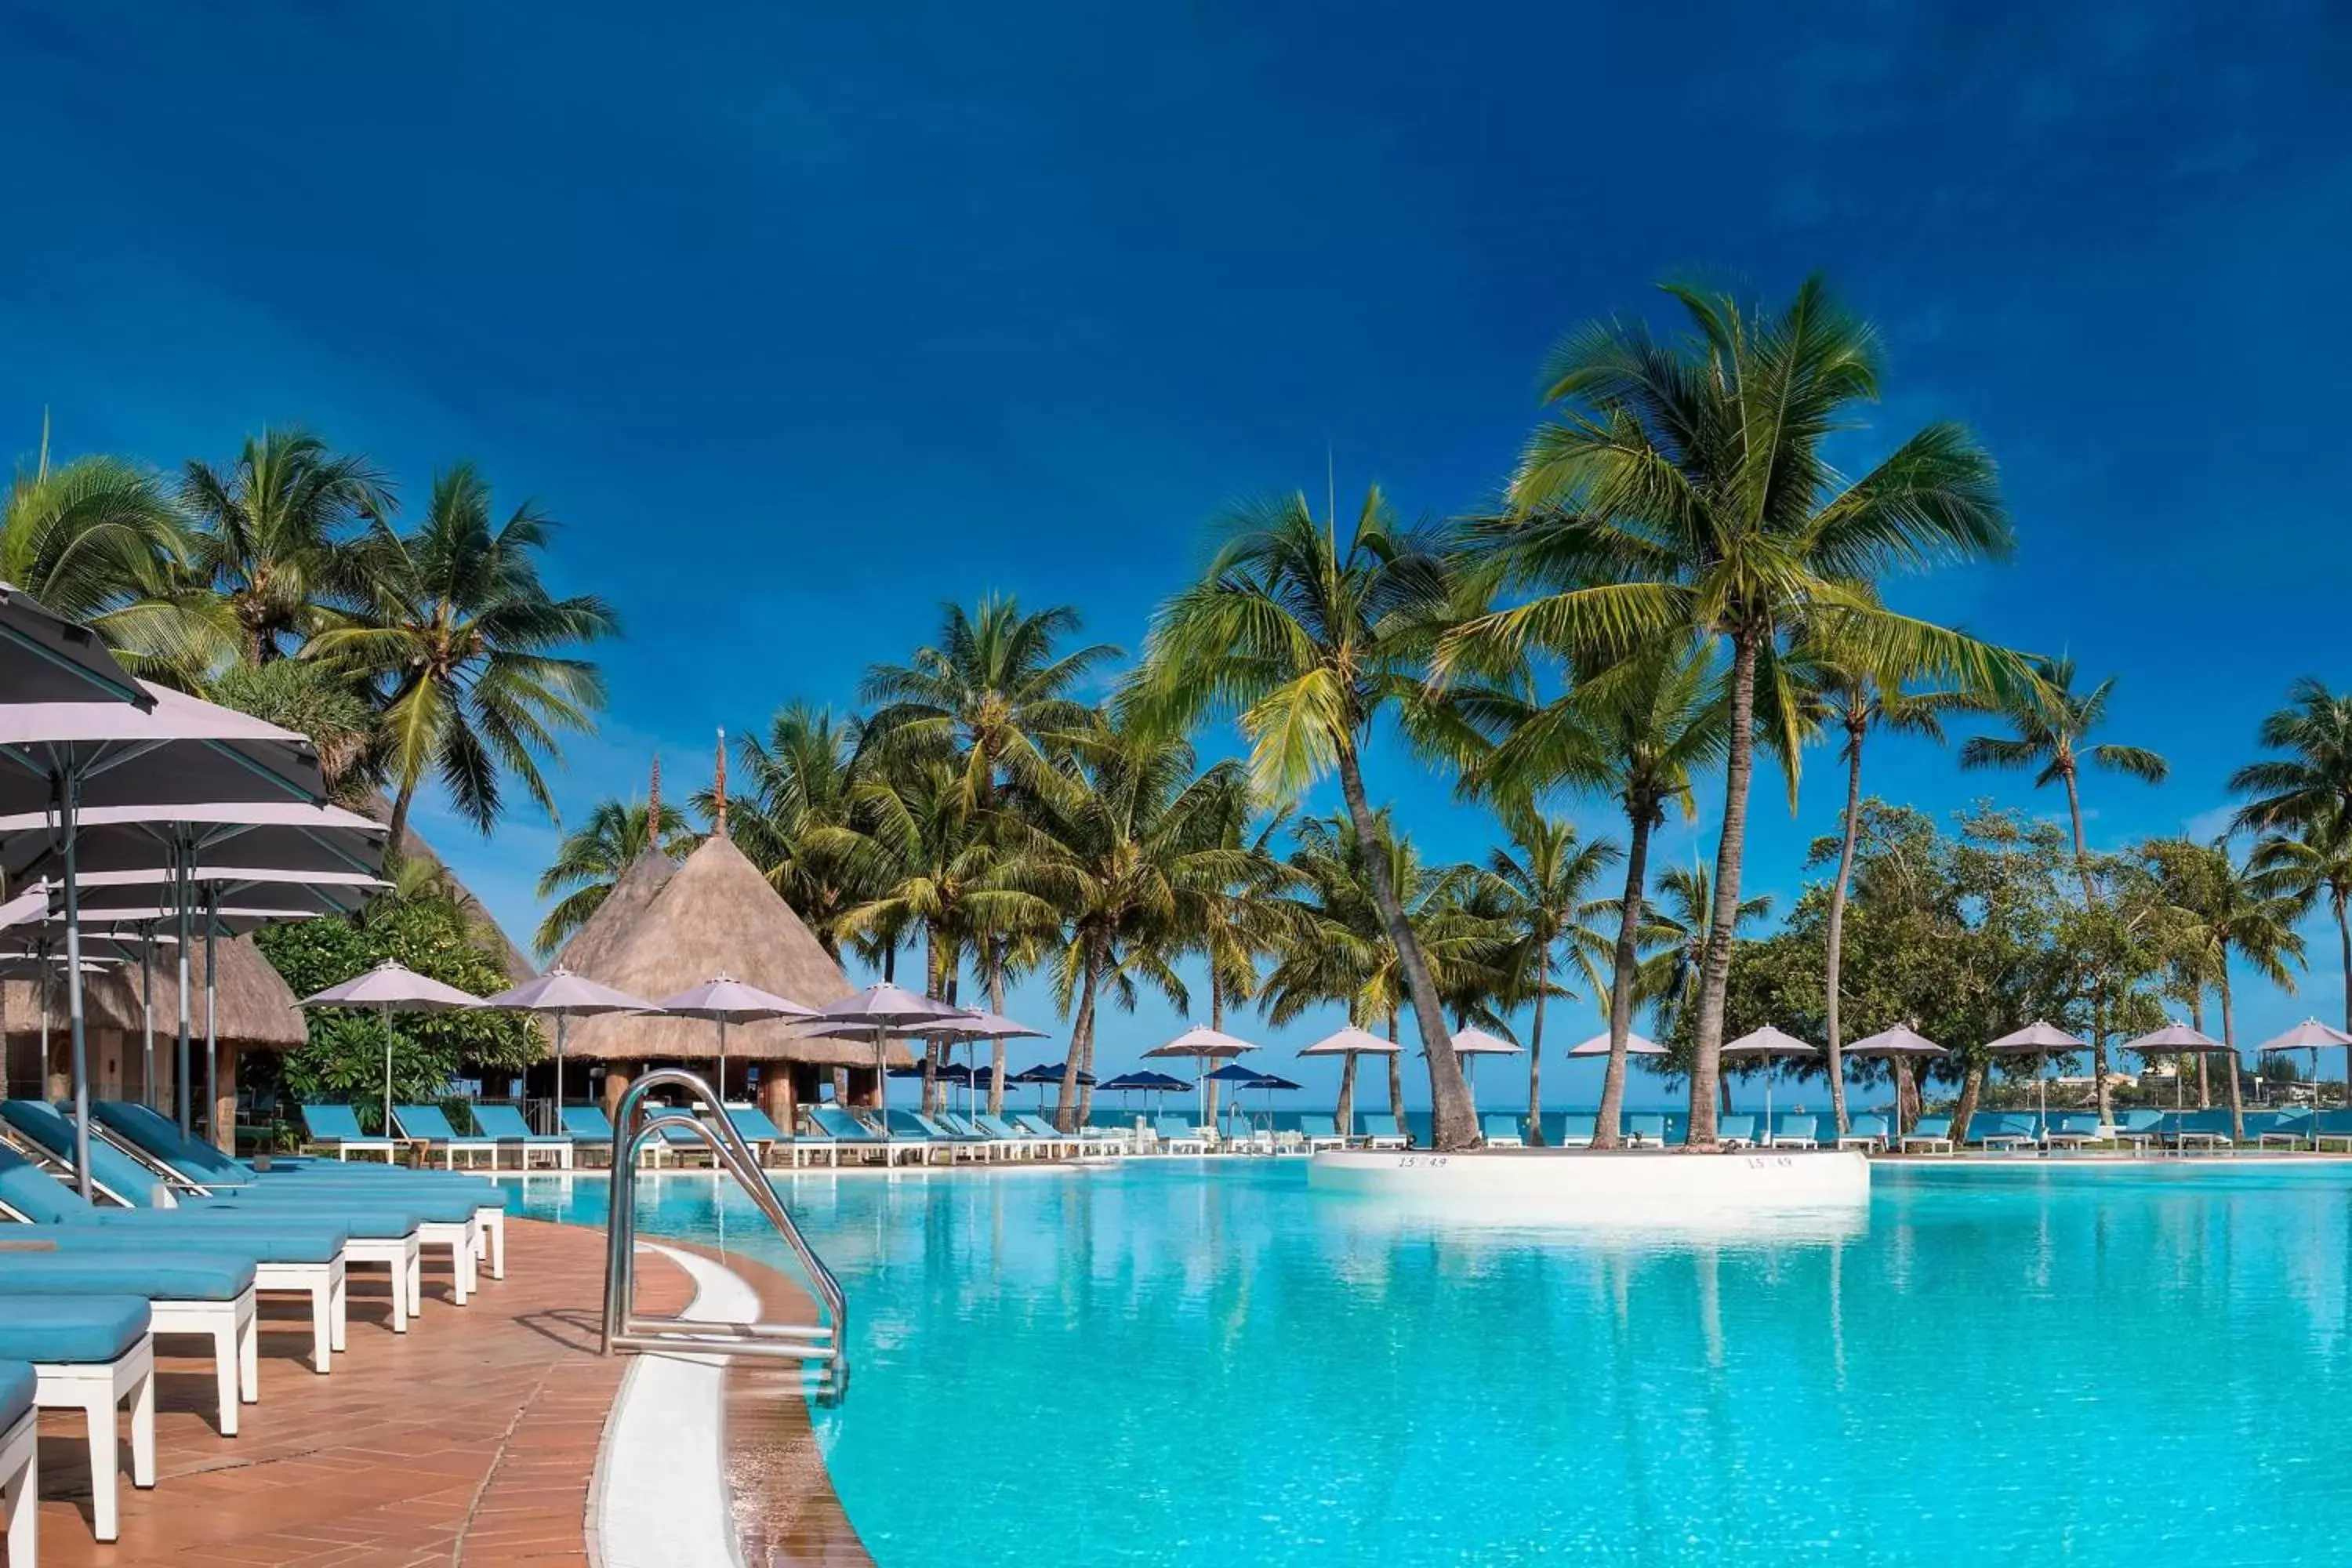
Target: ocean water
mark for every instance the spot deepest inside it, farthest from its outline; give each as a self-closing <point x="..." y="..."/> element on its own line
<point x="1184" y="1362"/>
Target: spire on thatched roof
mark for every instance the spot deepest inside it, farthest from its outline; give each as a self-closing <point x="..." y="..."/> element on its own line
<point x="256" y="1010"/>
<point x="665" y="928"/>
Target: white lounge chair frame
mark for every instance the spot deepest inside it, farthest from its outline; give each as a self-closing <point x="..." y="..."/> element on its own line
<point x="236" y="1356"/>
<point x="20" y="1486"/>
<point x="96" y="1389"/>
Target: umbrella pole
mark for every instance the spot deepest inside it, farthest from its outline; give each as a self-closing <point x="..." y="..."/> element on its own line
<point x="147" y="1013"/>
<point x="882" y="1094"/>
<point x="212" y="1034"/>
<point x="561" y="1020"/>
<point x="67" y="800"/>
<point x="721" y="1092"/>
<point x="387" y="1069"/>
<point x="180" y="1087"/>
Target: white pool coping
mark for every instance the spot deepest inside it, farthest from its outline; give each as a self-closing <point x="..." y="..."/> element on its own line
<point x="659" y="1497"/>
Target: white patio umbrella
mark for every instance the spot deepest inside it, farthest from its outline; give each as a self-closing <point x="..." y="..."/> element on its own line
<point x="1635" y="1046"/>
<point x="1350" y="1042"/>
<point x="1896" y="1046"/>
<point x="45" y="657"/>
<point x="2179" y="1039"/>
<point x="1770" y="1044"/>
<point x="2040" y="1040"/>
<point x="69" y="757"/>
<point x="2314" y="1037"/>
<point x="881" y="1011"/>
<point x="982" y="1024"/>
<point x="563" y="995"/>
<point x="726" y="1000"/>
<point x="1204" y="1044"/>
<point x="1471" y="1044"/>
<point x="392" y="988"/>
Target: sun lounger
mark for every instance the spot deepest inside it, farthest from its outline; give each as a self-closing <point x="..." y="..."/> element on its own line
<point x="19" y="1464"/>
<point x="913" y="1129"/>
<point x="1930" y="1133"/>
<point x="1320" y="1133"/>
<point x="1645" y="1130"/>
<point x="2074" y="1130"/>
<point x="589" y="1129"/>
<point x="2331" y="1127"/>
<point x="429" y="1125"/>
<point x="849" y="1135"/>
<point x="759" y="1130"/>
<point x="1380" y="1130"/>
<point x="1501" y="1132"/>
<point x="1796" y="1130"/>
<point x="90" y="1353"/>
<point x="1868" y="1130"/>
<point x="1177" y="1135"/>
<point x="1735" y="1131"/>
<point x="1043" y="1134"/>
<point x="337" y="1127"/>
<point x="2206" y="1129"/>
<point x="503" y="1124"/>
<point x="2003" y="1132"/>
<point x="205" y="1295"/>
<point x="2285" y="1127"/>
<point x="1577" y="1130"/>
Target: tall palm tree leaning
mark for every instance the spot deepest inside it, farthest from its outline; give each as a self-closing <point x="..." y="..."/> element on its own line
<point x="1682" y="490"/>
<point x="2302" y="802"/>
<point x="2053" y="724"/>
<point x="469" y="652"/>
<point x="272" y="532"/>
<point x="1543" y="881"/>
<point x="1305" y="636"/>
<point x="1856" y="698"/>
<point x="1634" y="733"/>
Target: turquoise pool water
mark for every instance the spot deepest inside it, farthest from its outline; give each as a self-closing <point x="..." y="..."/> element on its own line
<point x="1171" y="1363"/>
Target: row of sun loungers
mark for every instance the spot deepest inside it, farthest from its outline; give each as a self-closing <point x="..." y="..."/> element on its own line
<point x="179" y="1239"/>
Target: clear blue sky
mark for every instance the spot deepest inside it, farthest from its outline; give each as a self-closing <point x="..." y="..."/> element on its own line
<point x="805" y="319"/>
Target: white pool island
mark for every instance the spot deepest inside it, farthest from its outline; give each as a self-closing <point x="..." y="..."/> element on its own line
<point x="1602" y="1187"/>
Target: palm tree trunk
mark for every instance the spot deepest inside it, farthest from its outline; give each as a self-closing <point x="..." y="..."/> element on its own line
<point x="2204" y="1079"/>
<point x="930" y="1047"/>
<point x="1535" y="1052"/>
<point x="1453" y="1123"/>
<point x="1638" y="818"/>
<point x="2230" y="1061"/>
<point x="1216" y="1022"/>
<point x="2344" y="935"/>
<point x="1082" y="1023"/>
<point x="1715" y="972"/>
<point x="996" y="1005"/>
<point x="2090" y="899"/>
<point x="1971" y="1086"/>
<point x="396" y="827"/>
<point x="1396" y="1075"/>
<point x="1833" y="955"/>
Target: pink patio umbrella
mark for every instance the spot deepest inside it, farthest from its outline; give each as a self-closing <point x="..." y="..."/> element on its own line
<point x="727" y="1000"/>
<point x="1204" y="1044"/>
<point x="2041" y="1040"/>
<point x="1350" y="1042"/>
<point x="2179" y="1039"/>
<point x="880" y="1012"/>
<point x="1635" y="1046"/>
<point x="1768" y="1045"/>
<point x="563" y="995"/>
<point x="392" y="988"/>
<point x="1471" y="1044"/>
<point x="2314" y="1037"/>
<point x="1896" y="1046"/>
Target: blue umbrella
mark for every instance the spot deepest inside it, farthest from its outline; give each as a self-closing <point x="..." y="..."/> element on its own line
<point x="1043" y="1074"/>
<point x="1145" y="1081"/>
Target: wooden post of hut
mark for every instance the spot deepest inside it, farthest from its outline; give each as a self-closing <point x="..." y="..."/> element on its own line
<point x="779" y="1101"/>
<point x="224" y="1122"/>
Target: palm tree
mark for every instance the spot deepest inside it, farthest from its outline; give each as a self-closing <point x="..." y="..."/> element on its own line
<point x="2053" y="724"/>
<point x="1306" y="638"/>
<point x="1680" y="928"/>
<point x="469" y="650"/>
<point x="1130" y="839"/>
<point x="797" y="780"/>
<point x="2313" y="864"/>
<point x="1683" y="490"/>
<point x="317" y="701"/>
<point x="2238" y="917"/>
<point x="1856" y="698"/>
<point x="995" y="692"/>
<point x="1543" y="885"/>
<point x="274" y="533"/>
<point x="97" y="540"/>
<point x="2312" y="782"/>
<point x="591" y="857"/>
<point x="1634" y="733"/>
<point x="1235" y="922"/>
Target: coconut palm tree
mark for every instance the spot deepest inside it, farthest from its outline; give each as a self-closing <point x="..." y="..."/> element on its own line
<point x="616" y="836"/>
<point x="796" y="779"/>
<point x="1635" y="734"/>
<point x="2238" y="916"/>
<point x="1235" y="924"/>
<point x="470" y="652"/>
<point x="1684" y="489"/>
<point x="2053" y="724"/>
<point x="273" y="539"/>
<point x="1680" y="924"/>
<point x="1856" y="698"/>
<point x="1306" y="634"/>
<point x="995" y="692"/>
<point x="1542" y="884"/>
<point x="97" y="540"/>
<point x="319" y="701"/>
<point x="2312" y="782"/>
<point x="2312" y="864"/>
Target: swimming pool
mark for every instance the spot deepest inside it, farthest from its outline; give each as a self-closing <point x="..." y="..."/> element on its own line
<point x="1175" y="1362"/>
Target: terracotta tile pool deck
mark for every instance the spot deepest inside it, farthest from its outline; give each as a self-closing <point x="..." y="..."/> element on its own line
<point x="471" y="1440"/>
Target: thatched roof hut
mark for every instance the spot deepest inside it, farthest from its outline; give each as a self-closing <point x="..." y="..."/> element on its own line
<point x="254" y="1009"/>
<point x="665" y="928"/>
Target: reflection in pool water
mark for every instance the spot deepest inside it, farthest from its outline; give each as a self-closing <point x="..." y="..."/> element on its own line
<point x="1171" y="1362"/>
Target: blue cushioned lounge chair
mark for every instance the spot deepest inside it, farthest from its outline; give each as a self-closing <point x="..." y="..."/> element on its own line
<point x="19" y="1464"/>
<point x="1047" y="1136"/>
<point x="1735" y="1131"/>
<point x="1646" y="1129"/>
<point x="429" y="1125"/>
<point x="90" y="1353"/>
<point x="2074" y="1130"/>
<point x="589" y="1129"/>
<point x="210" y="1295"/>
<point x="2002" y="1131"/>
<point x="503" y="1124"/>
<point x="1868" y="1130"/>
<point x="1500" y="1132"/>
<point x="849" y="1134"/>
<point x="337" y="1127"/>
<point x="1320" y="1133"/>
<point x="1177" y="1135"/>
<point x="1577" y="1129"/>
<point x="1796" y="1130"/>
<point x="1379" y="1130"/>
<point x="1929" y="1133"/>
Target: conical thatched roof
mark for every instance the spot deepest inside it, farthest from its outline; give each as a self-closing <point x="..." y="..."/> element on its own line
<point x="664" y="928"/>
<point x="256" y="1009"/>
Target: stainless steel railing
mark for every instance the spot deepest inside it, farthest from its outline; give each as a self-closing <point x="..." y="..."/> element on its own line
<point x="826" y="1344"/>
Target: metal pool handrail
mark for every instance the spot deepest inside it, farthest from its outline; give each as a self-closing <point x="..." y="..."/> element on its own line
<point x="826" y="1344"/>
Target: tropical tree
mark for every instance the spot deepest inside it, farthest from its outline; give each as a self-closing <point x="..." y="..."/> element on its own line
<point x="2312" y="782"/>
<point x="591" y="857"/>
<point x="97" y="540"/>
<point x="995" y="692"/>
<point x="273" y="539"/>
<point x="2312" y="866"/>
<point x="1306" y="636"/>
<point x="2053" y="724"/>
<point x="470" y="655"/>
<point x="1233" y="924"/>
<point x="1683" y="489"/>
<point x="317" y="701"/>
<point x="1542" y="883"/>
<point x="1856" y="697"/>
<point x="794" y="783"/>
<point x="1681" y="929"/>
<point x="1634" y="733"/>
<point x="2237" y="917"/>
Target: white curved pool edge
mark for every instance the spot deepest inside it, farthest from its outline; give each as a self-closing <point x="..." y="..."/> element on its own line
<point x="659" y="1497"/>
